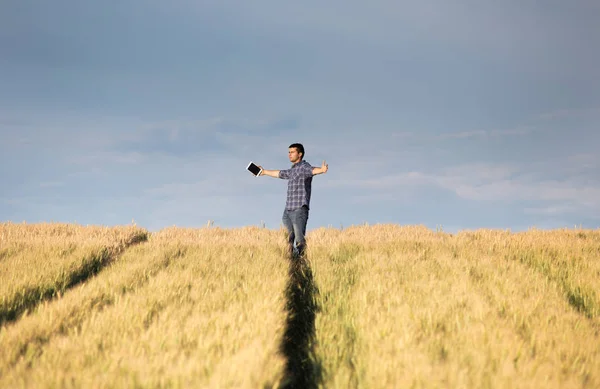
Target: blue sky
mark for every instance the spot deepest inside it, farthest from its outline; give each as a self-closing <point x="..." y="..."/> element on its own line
<point x="455" y="113"/>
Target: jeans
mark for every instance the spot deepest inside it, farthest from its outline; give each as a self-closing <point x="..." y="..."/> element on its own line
<point x="295" y="223"/>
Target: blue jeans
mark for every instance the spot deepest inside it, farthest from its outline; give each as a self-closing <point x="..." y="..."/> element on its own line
<point x="295" y="223"/>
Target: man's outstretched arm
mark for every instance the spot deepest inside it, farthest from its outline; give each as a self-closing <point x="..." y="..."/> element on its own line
<point x="270" y="173"/>
<point x="320" y="170"/>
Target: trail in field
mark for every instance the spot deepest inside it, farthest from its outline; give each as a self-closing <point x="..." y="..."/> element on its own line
<point x="32" y="333"/>
<point x="31" y="297"/>
<point x="185" y="313"/>
<point x="302" y="369"/>
<point x="568" y="274"/>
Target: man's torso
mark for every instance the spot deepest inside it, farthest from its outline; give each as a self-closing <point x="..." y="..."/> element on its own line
<point x="299" y="186"/>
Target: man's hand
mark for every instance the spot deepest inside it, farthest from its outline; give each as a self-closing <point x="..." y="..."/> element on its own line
<point x="270" y="173"/>
<point x="320" y="170"/>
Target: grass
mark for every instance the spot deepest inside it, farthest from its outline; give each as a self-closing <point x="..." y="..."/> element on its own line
<point x="415" y="308"/>
<point x="371" y="307"/>
<point x="40" y="262"/>
<point x="189" y="308"/>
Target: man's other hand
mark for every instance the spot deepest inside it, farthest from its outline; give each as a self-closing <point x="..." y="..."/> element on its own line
<point x="320" y="170"/>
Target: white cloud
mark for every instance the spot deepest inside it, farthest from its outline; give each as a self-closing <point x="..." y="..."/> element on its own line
<point x="521" y="130"/>
<point x="520" y="190"/>
<point x="479" y="172"/>
<point x="585" y="160"/>
<point x="494" y="183"/>
<point x="403" y="134"/>
<point x="103" y="158"/>
<point x="213" y="186"/>
<point x="51" y="184"/>
<point x="460" y="135"/>
<point x="503" y="30"/>
<point x="551" y="210"/>
<point x="535" y="124"/>
<point x="509" y="183"/>
<point x="568" y="112"/>
<point x="12" y="201"/>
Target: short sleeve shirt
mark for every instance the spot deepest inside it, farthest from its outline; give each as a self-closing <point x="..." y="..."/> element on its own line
<point x="299" y="185"/>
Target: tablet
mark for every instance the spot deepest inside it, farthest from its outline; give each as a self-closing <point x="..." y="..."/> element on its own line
<point x="254" y="169"/>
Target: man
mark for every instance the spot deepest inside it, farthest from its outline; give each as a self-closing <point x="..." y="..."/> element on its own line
<point x="297" y="204"/>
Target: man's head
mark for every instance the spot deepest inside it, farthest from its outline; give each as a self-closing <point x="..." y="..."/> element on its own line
<point x="296" y="152"/>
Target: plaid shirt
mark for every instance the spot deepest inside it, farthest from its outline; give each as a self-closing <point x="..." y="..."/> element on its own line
<point x="299" y="185"/>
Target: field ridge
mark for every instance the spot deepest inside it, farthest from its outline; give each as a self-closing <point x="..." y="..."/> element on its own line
<point x="79" y="307"/>
<point x="366" y="307"/>
<point x="303" y="369"/>
<point x="13" y="307"/>
<point x="580" y="296"/>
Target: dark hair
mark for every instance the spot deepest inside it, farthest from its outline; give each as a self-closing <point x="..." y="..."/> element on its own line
<point x="299" y="147"/>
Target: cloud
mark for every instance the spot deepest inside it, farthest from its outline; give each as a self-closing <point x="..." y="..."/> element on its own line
<point x="482" y="171"/>
<point x="482" y="102"/>
<point x="520" y="190"/>
<point x="403" y="134"/>
<point x="190" y="137"/>
<point x="551" y="210"/>
<point x="579" y="121"/>
<point x="584" y="161"/>
<point x="494" y="184"/>
<point x="520" y="130"/>
<point x="12" y="201"/>
<point x="499" y="30"/>
<point x="511" y="183"/>
<point x="569" y="113"/>
<point x="51" y="184"/>
<point x="107" y="158"/>
<point x="213" y="186"/>
<point x="93" y="139"/>
<point x="461" y="135"/>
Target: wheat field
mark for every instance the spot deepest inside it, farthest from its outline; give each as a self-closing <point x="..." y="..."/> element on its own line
<point x="381" y="306"/>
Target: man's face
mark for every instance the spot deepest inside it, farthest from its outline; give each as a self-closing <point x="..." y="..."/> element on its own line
<point x="294" y="155"/>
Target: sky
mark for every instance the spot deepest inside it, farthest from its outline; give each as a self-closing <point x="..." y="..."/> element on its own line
<point x="450" y="114"/>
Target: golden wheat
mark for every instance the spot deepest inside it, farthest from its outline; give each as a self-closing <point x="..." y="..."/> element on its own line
<point x="407" y="307"/>
<point x="397" y="306"/>
<point x="190" y="308"/>
<point x="40" y="261"/>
